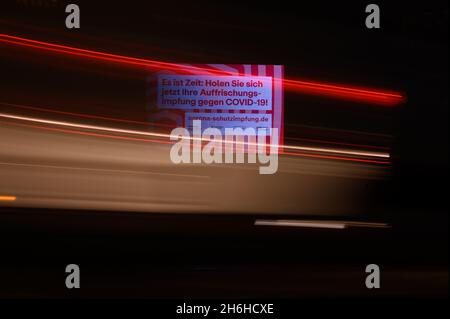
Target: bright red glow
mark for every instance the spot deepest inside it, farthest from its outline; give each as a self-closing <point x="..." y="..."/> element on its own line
<point x="306" y="87"/>
<point x="345" y="92"/>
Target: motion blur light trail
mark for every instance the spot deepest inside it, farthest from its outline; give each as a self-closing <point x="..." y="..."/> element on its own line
<point x="100" y="55"/>
<point x="333" y="224"/>
<point x="145" y="123"/>
<point x="82" y="115"/>
<point x="7" y="198"/>
<point x="377" y="156"/>
<point x="148" y="123"/>
<point x="345" y="92"/>
<point x="307" y="87"/>
<point x="46" y="168"/>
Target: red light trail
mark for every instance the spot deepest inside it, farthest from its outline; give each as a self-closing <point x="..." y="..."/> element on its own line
<point x="345" y="92"/>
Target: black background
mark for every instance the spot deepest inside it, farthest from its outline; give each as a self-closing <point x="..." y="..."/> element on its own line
<point x="318" y="40"/>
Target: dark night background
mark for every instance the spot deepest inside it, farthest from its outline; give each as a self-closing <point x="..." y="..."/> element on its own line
<point x="121" y="255"/>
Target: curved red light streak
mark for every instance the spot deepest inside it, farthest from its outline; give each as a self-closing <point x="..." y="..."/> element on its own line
<point x="307" y="87"/>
